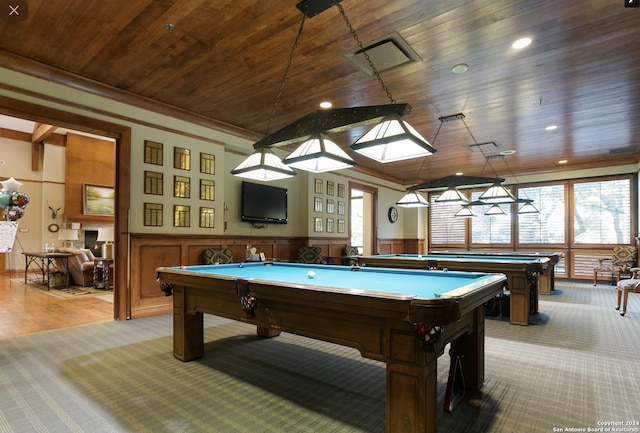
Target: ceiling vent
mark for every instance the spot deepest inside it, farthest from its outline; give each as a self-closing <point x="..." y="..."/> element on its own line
<point x="387" y="53"/>
<point x="624" y="150"/>
<point x="484" y="148"/>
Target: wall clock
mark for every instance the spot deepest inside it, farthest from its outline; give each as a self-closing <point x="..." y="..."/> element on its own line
<point x="53" y="227"/>
<point x="393" y="214"/>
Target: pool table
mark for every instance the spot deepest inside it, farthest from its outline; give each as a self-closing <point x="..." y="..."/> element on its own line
<point x="522" y="274"/>
<point x="546" y="280"/>
<point x="401" y="317"/>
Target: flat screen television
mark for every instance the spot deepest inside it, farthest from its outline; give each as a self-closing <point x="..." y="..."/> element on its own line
<point x="263" y="203"/>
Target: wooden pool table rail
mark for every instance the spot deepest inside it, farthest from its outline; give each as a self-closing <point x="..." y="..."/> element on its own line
<point x="522" y="276"/>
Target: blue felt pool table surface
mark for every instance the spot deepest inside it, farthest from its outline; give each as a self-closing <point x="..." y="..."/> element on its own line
<point x="463" y="258"/>
<point x="410" y="283"/>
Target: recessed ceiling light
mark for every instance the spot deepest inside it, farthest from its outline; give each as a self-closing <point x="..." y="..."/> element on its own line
<point x="508" y="152"/>
<point x="459" y="173"/>
<point x="551" y="128"/>
<point x="169" y="27"/>
<point x="326" y="104"/>
<point x="460" y="68"/>
<point x="562" y="161"/>
<point x="521" y="43"/>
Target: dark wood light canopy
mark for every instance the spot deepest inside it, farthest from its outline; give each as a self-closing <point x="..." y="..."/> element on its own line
<point x="220" y="63"/>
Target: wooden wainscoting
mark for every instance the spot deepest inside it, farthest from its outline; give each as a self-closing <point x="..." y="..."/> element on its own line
<point x="401" y="246"/>
<point x="148" y="252"/>
<point x="332" y="247"/>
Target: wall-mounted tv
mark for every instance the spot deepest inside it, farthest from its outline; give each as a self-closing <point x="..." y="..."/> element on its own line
<point x="263" y="203"/>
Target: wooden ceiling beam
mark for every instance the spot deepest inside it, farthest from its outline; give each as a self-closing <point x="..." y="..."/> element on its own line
<point x="37" y="151"/>
<point x="42" y="131"/>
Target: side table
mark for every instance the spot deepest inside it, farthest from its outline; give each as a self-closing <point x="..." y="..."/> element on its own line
<point x="103" y="273"/>
<point x="45" y="261"/>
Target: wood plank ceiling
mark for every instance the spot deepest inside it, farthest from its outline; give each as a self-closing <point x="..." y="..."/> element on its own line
<point x="223" y="60"/>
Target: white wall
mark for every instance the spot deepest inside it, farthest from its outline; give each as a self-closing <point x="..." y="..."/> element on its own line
<point x="42" y="187"/>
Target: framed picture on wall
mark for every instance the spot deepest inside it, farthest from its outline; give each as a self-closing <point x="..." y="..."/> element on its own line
<point x="98" y="200"/>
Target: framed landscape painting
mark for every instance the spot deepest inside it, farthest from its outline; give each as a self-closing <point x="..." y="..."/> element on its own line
<point x="98" y="200"/>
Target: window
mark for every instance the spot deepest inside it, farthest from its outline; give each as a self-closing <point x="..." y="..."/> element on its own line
<point x="357" y="217"/>
<point x="446" y="228"/>
<point x="490" y="229"/>
<point x="547" y="226"/>
<point x="582" y="218"/>
<point x="602" y="212"/>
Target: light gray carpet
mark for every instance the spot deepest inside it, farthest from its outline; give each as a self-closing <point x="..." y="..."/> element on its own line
<point x="577" y="367"/>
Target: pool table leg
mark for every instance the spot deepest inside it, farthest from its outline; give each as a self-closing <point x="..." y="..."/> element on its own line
<point x="469" y="348"/>
<point x="188" y="329"/>
<point x="520" y="298"/>
<point x="412" y="386"/>
<point x="545" y="282"/>
<point x="267" y="332"/>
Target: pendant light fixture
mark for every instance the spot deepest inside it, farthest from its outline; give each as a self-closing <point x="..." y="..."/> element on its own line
<point x="465" y="212"/>
<point x="495" y="210"/>
<point x="263" y="165"/>
<point x="497" y="194"/>
<point x="392" y="139"/>
<point x="494" y="195"/>
<point x="452" y="196"/>
<point x="412" y="199"/>
<point x="528" y="207"/>
<point x="319" y="154"/>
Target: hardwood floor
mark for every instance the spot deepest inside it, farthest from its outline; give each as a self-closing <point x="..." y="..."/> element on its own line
<point x="26" y="309"/>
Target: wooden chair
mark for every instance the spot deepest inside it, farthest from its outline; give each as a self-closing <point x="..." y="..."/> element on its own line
<point x="624" y="287"/>
<point x="311" y="255"/>
<point x="622" y="259"/>
<point x="217" y="256"/>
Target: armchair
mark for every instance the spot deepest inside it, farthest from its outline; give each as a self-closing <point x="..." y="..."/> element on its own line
<point x="349" y="251"/>
<point x="623" y="288"/>
<point x="311" y="255"/>
<point x="80" y="266"/>
<point x="214" y="256"/>
<point x="622" y="259"/>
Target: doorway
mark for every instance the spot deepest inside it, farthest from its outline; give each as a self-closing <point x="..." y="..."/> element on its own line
<point x="122" y="136"/>
<point x="363" y="218"/>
